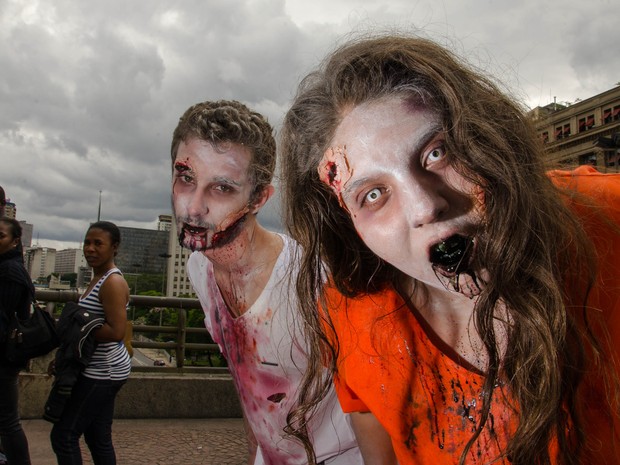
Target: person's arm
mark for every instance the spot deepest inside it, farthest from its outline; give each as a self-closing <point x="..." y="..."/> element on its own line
<point x="373" y="440"/>
<point x="113" y="295"/>
<point x="15" y="298"/>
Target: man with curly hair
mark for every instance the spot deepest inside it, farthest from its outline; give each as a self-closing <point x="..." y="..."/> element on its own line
<point x="223" y="159"/>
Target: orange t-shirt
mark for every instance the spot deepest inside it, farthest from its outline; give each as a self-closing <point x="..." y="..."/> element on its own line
<point x="428" y="403"/>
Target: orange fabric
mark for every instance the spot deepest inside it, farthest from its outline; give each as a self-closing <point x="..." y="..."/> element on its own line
<point x="599" y="211"/>
<point x="426" y="401"/>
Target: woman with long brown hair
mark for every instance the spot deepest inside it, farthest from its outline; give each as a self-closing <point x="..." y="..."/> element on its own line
<point x="465" y="315"/>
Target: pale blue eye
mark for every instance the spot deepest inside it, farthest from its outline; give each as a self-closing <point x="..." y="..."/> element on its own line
<point x="373" y="195"/>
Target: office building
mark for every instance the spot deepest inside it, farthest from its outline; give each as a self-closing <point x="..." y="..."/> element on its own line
<point x="40" y="262"/>
<point x="178" y="284"/>
<point x="27" y="229"/>
<point x="10" y="210"/>
<point x="69" y="261"/>
<point x="164" y="223"/>
<point x="142" y="251"/>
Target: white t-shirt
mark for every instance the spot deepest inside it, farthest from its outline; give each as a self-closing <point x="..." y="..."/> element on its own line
<point x="267" y="363"/>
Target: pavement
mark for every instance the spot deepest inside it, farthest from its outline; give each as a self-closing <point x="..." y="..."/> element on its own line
<point x="218" y="441"/>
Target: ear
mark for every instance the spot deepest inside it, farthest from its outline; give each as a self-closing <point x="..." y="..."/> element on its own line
<point x="261" y="198"/>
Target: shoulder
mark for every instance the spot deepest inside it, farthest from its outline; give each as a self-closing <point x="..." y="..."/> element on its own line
<point x="114" y="282"/>
<point x="586" y="180"/>
<point x="12" y="265"/>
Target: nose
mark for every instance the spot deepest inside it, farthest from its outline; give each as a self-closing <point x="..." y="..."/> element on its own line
<point x="197" y="206"/>
<point x="425" y="202"/>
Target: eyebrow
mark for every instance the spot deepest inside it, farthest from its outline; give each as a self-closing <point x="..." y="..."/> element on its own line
<point x="226" y="180"/>
<point x="426" y="139"/>
<point x="181" y="167"/>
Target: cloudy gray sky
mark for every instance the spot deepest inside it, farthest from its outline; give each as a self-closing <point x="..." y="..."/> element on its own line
<point x="91" y="91"/>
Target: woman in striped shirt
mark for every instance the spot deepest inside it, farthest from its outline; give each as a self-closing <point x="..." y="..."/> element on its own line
<point x="90" y="409"/>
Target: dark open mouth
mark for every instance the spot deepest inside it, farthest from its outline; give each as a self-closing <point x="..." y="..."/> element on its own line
<point x="193" y="237"/>
<point x="195" y="229"/>
<point x="452" y="255"/>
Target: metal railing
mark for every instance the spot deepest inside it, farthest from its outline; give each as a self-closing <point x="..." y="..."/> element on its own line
<point x="178" y="332"/>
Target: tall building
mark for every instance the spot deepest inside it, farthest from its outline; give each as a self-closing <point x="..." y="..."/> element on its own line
<point x="164" y="223"/>
<point x="27" y="229"/>
<point x="178" y="284"/>
<point x="10" y="210"/>
<point x="84" y="275"/>
<point x="69" y="261"/>
<point x="586" y="132"/>
<point x="142" y="251"/>
<point x="40" y="261"/>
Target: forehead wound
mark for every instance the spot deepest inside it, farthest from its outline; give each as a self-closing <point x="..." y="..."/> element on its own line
<point x="182" y="166"/>
<point x="334" y="170"/>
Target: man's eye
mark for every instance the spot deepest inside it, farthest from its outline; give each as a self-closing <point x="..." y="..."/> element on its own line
<point x="372" y="196"/>
<point x="223" y="188"/>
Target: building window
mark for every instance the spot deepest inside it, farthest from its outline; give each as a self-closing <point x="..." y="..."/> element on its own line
<point x="545" y="137"/>
<point x="612" y="158"/>
<point x="607" y="116"/>
<point x="558" y="133"/>
<point x="587" y="159"/>
<point x="566" y="130"/>
<point x="585" y="123"/>
<point x="616" y="113"/>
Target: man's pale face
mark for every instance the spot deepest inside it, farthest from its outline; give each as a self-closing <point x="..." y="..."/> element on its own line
<point x="211" y="192"/>
<point x="387" y="164"/>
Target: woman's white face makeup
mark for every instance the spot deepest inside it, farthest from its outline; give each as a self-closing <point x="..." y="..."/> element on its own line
<point x="387" y="164"/>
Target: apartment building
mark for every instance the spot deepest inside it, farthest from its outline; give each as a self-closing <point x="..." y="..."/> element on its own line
<point x="69" y="261"/>
<point x="585" y="132"/>
<point x="40" y="261"/>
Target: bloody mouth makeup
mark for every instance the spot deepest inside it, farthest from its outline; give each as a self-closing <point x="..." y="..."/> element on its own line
<point x="452" y="254"/>
<point x="201" y="238"/>
<point x="451" y="261"/>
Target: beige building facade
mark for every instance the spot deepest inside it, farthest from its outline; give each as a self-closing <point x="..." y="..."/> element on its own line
<point x="177" y="282"/>
<point x="40" y="261"/>
<point x="586" y="132"/>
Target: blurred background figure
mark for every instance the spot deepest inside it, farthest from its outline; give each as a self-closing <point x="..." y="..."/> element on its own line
<point x="16" y="296"/>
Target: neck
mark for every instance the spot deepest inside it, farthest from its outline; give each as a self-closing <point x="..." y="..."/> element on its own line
<point x="99" y="271"/>
<point x="243" y="267"/>
<point x="448" y="320"/>
<point x="248" y="250"/>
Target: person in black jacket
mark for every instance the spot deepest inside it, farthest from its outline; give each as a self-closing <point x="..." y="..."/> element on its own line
<point x="16" y="295"/>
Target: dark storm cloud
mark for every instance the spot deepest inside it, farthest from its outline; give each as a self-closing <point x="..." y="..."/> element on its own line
<point x="91" y="91"/>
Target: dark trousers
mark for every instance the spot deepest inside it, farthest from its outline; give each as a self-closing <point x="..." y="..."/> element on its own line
<point x="89" y="411"/>
<point x="14" y="442"/>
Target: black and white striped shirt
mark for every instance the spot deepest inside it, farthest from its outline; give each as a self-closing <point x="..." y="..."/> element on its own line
<point x="110" y="361"/>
